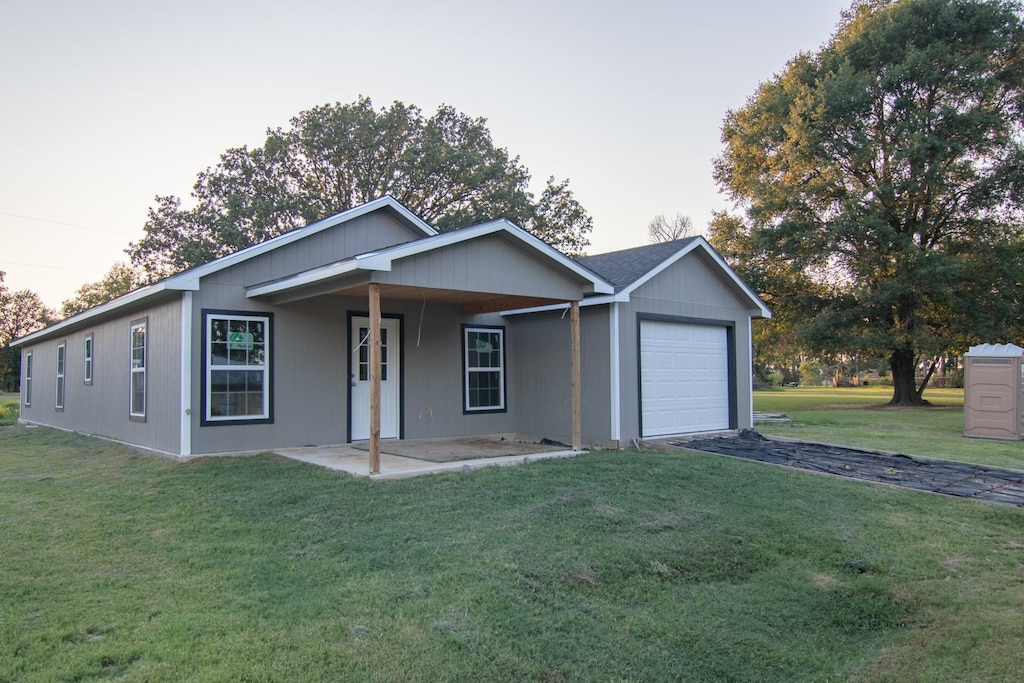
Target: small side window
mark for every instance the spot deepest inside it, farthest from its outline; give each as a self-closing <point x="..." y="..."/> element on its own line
<point x="26" y="389"/>
<point x="61" y="357"/>
<point x="137" y="388"/>
<point x="88" y="359"/>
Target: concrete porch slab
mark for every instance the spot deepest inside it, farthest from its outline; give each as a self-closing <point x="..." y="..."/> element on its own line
<point x="355" y="460"/>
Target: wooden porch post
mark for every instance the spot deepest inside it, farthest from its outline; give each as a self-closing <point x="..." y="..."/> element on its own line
<point x="374" y="378"/>
<point x="574" y="326"/>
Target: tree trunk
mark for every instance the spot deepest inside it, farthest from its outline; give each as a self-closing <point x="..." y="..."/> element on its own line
<point x="904" y="389"/>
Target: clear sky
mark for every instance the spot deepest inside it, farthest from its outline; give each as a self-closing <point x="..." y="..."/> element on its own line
<point x="106" y="104"/>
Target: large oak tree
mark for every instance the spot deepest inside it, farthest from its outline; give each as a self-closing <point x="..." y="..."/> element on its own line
<point x="888" y="169"/>
<point x="444" y="167"/>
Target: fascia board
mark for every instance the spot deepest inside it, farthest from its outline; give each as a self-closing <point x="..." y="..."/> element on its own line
<point x="85" y="316"/>
<point x="382" y="259"/>
<point x="299" y="233"/>
<point x="598" y="284"/>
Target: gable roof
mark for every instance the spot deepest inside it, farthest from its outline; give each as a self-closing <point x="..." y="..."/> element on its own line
<point x="628" y="269"/>
<point x="382" y="259"/>
<point x="387" y="202"/>
<point x="188" y="280"/>
<point x="623" y="268"/>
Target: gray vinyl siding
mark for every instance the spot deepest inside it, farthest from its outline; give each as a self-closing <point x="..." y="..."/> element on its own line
<point x="309" y="361"/>
<point x="101" y="408"/>
<point x="358" y="236"/>
<point x="688" y="289"/>
<point x="311" y="373"/>
<point x="434" y="390"/>
<point x="492" y="264"/>
<point x="542" y="347"/>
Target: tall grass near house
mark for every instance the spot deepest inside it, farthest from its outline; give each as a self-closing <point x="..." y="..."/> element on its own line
<point x="8" y="409"/>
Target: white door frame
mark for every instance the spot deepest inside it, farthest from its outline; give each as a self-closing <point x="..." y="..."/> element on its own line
<point x="359" y="382"/>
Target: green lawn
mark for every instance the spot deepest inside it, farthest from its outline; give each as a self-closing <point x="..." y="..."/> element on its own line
<point x="607" y="567"/>
<point x="858" y="416"/>
<point x="8" y="409"/>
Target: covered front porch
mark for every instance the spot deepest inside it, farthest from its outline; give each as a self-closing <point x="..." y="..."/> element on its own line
<point x="404" y="458"/>
<point x="474" y="272"/>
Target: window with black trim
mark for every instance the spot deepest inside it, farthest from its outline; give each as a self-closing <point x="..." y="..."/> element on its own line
<point x="27" y="386"/>
<point x="61" y="358"/>
<point x="88" y="359"/>
<point x="137" y="407"/>
<point x="484" y="368"/>
<point x="237" y="373"/>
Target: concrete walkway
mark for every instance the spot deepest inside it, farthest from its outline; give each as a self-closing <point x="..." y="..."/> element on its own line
<point x="356" y="461"/>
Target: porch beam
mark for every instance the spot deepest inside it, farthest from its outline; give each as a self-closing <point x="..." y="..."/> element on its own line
<point x="574" y="327"/>
<point x="374" y="341"/>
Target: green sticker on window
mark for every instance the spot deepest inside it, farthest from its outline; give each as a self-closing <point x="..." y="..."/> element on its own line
<point x="241" y="341"/>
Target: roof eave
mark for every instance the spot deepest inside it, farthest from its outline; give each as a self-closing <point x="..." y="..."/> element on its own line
<point x="102" y="309"/>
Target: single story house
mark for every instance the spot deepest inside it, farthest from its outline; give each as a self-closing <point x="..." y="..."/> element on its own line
<point x="474" y="331"/>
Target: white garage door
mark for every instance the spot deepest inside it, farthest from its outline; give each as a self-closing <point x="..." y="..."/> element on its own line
<point x="684" y="378"/>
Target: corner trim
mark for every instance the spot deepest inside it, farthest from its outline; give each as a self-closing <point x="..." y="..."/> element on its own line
<point x="185" y="434"/>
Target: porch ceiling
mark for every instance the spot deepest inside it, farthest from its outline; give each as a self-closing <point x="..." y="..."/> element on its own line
<point x="470" y="302"/>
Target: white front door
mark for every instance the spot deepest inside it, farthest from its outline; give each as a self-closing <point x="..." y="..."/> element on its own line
<point x="359" y="378"/>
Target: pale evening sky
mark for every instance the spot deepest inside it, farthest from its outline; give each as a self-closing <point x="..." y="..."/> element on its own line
<point x="107" y="104"/>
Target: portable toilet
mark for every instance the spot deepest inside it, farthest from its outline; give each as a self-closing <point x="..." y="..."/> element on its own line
<point x="993" y="375"/>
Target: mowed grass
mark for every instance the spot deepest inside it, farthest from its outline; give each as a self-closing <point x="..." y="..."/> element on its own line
<point x="606" y="567"/>
<point x="858" y="416"/>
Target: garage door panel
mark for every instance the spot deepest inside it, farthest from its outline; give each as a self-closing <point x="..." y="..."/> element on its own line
<point x="684" y="377"/>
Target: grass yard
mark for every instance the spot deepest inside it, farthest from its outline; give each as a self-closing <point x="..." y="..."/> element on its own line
<point x="8" y="409"/>
<point x="858" y="416"/>
<point x="608" y="567"/>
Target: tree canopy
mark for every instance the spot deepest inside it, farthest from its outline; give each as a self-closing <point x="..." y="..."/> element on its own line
<point x="118" y="281"/>
<point x="444" y="167"/>
<point x="888" y="169"/>
<point x="21" y="312"/>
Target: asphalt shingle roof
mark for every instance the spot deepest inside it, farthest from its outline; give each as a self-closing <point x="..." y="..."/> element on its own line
<point x="623" y="268"/>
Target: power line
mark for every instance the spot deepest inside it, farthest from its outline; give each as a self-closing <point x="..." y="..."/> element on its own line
<point x="70" y="225"/>
<point x="39" y="265"/>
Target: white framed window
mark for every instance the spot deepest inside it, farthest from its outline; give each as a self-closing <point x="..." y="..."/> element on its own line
<point x="237" y="367"/>
<point x="61" y="358"/>
<point x="137" y="402"/>
<point x="87" y="371"/>
<point x="484" y="368"/>
<point x="27" y="386"/>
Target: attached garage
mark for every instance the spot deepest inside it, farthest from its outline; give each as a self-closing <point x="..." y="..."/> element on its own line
<point x="669" y="353"/>
<point x="685" y="377"/>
